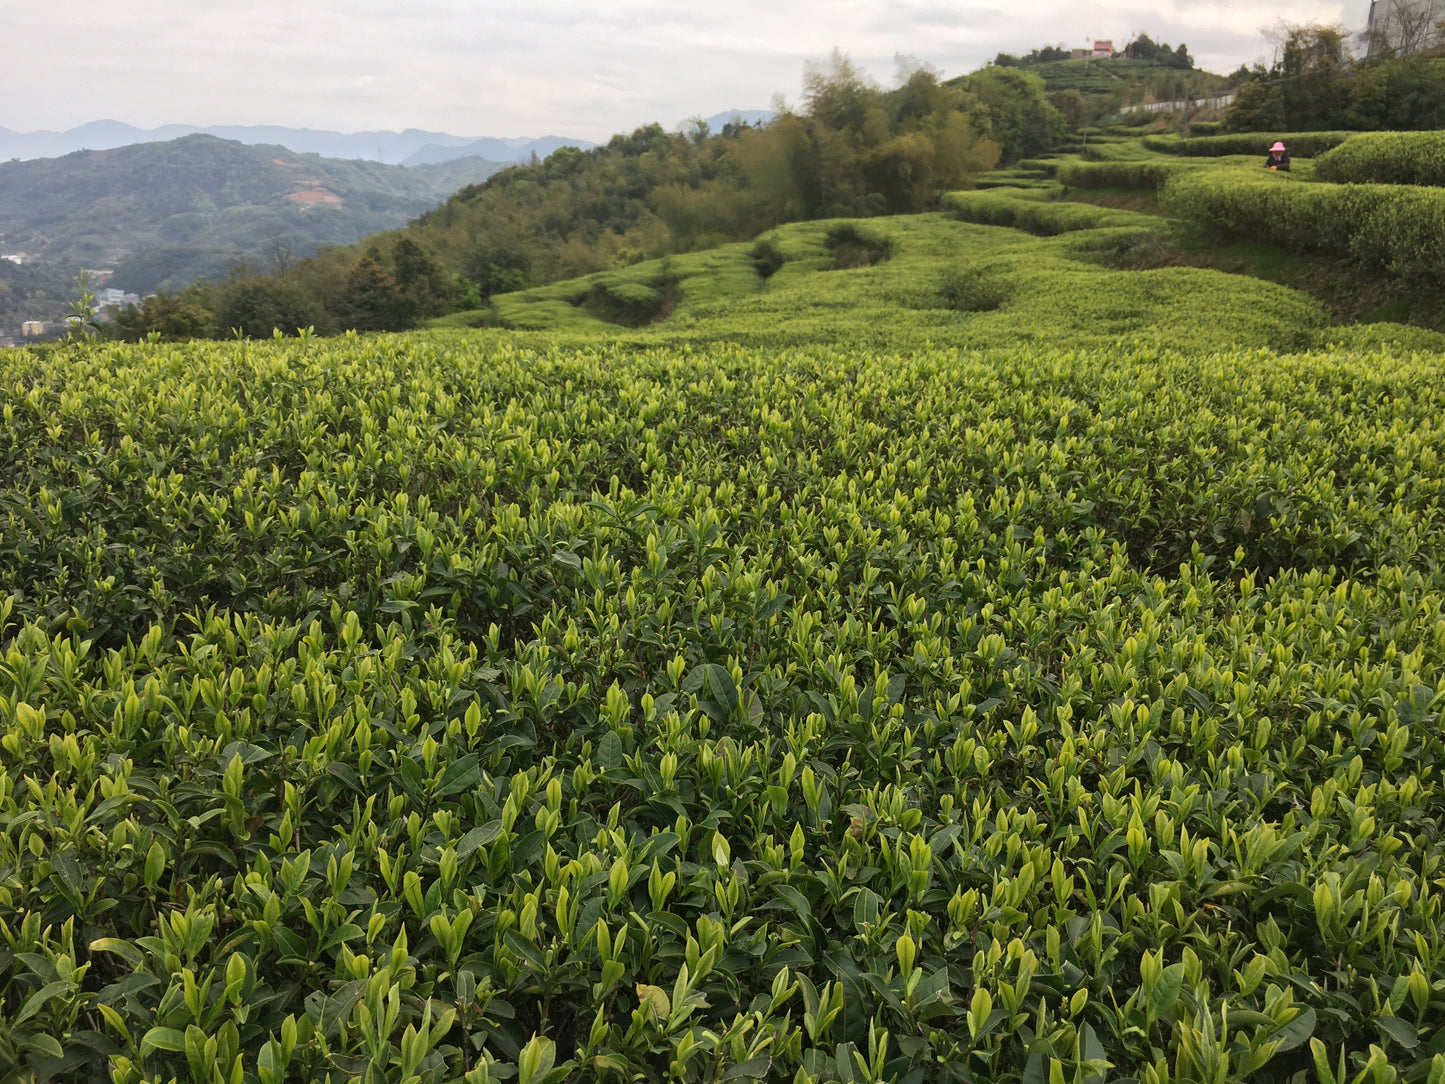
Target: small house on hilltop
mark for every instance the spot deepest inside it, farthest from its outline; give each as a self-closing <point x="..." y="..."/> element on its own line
<point x="1103" y="49"/>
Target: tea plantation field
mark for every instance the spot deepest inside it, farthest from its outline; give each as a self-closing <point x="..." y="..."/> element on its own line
<point x="458" y="708"/>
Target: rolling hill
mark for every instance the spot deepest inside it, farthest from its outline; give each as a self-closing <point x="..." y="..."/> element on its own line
<point x="161" y="214"/>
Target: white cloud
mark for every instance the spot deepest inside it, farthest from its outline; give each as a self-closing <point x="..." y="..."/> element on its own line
<point x="530" y="67"/>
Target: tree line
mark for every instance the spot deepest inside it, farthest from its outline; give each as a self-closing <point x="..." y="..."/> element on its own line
<point x="851" y="148"/>
<point x="1315" y="83"/>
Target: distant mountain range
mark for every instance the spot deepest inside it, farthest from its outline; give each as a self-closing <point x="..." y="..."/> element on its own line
<point x="162" y="213"/>
<point x="512" y="150"/>
<point x="164" y="206"/>
<point x="412" y="147"/>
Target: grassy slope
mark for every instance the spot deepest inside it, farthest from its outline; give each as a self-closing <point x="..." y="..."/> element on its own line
<point x="948" y="283"/>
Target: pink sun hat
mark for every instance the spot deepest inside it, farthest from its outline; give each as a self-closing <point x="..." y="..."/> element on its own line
<point x="1277" y="147"/>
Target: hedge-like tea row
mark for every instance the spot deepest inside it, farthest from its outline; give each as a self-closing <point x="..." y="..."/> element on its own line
<point x="1300" y="144"/>
<point x="1042" y="184"/>
<point x="417" y="710"/>
<point x="1416" y="158"/>
<point x="1147" y="173"/>
<point x="1396" y="228"/>
<point x="1060" y="290"/>
<point x="1031" y="210"/>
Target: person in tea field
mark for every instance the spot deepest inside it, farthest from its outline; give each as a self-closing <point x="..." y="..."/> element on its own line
<point x="1278" y="158"/>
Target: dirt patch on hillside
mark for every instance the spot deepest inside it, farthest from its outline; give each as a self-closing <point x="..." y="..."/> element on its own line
<point x="313" y="197"/>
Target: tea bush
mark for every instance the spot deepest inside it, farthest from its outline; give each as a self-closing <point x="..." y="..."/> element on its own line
<point x="1300" y="144"/>
<point x="1386" y="158"/>
<point x="1126" y="173"/>
<point x="1060" y="290"/>
<point x="1031" y="211"/>
<point x="438" y="709"/>
<point x="1399" y="229"/>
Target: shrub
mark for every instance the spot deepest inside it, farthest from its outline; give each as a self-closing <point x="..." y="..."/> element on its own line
<point x="972" y="289"/>
<point x="380" y="710"/>
<point x="258" y="306"/>
<point x="767" y="258"/>
<point x="1041" y="184"/>
<point x="1028" y="210"/>
<point x="632" y="302"/>
<point x="1147" y="173"/>
<point x="855" y="247"/>
<point x="1386" y="158"/>
<point x="1300" y="144"/>
<point x="1399" y="229"/>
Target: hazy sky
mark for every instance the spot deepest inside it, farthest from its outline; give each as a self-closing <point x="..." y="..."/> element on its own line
<point x="538" y="67"/>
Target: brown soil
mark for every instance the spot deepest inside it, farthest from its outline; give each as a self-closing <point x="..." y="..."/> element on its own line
<point x="312" y="197"/>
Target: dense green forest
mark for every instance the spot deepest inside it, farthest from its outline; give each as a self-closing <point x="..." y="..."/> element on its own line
<point x="851" y="148"/>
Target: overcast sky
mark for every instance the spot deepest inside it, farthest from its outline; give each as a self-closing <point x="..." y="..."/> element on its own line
<point x="538" y="67"/>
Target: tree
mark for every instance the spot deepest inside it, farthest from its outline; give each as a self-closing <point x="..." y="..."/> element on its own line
<point x="1400" y="28"/>
<point x="371" y="300"/>
<point x="1240" y="76"/>
<point x="420" y="280"/>
<point x="1072" y="107"/>
<point x="498" y="268"/>
<point x="175" y="317"/>
<point x="1014" y="112"/>
<point x="259" y="305"/>
<point x="838" y="96"/>
<point x="1141" y="48"/>
<point x="1307" y="86"/>
<point x="278" y="254"/>
<point x="778" y="165"/>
